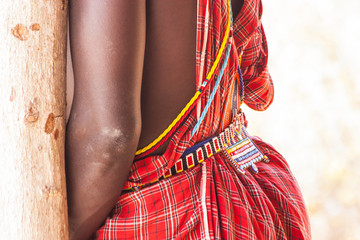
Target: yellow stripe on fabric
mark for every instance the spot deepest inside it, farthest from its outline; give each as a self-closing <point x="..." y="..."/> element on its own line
<point x="223" y="44"/>
<point x="197" y="94"/>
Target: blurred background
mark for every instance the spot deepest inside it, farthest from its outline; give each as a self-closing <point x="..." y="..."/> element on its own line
<point x="314" y="120"/>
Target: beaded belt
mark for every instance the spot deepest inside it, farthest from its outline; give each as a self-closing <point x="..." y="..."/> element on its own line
<point x="234" y="142"/>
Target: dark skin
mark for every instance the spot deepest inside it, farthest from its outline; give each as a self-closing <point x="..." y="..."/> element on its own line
<point x="134" y="70"/>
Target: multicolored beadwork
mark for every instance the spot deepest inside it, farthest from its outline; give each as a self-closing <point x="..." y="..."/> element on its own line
<point x="244" y="154"/>
<point x="234" y="142"/>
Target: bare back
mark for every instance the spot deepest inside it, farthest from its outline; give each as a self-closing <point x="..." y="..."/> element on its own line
<point x="169" y="65"/>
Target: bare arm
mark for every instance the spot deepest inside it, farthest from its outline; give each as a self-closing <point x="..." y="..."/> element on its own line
<point x="107" y="43"/>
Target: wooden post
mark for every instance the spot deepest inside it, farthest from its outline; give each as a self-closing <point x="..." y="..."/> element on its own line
<point x="32" y="119"/>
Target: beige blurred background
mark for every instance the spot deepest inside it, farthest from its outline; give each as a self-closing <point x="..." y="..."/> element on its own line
<point x="315" y="117"/>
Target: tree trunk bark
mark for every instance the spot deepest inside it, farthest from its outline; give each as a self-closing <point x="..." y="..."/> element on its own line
<point x="32" y="119"/>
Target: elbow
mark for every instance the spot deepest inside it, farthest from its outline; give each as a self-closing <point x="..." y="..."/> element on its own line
<point x="116" y="144"/>
<point x="116" y="149"/>
<point x="106" y="145"/>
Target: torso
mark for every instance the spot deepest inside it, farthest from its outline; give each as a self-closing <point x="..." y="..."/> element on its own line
<point x="169" y="66"/>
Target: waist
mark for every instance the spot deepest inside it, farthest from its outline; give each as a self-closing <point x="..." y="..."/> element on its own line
<point x="233" y="142"/>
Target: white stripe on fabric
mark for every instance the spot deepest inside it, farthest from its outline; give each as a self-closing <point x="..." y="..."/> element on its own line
<point x="203" y="201"/>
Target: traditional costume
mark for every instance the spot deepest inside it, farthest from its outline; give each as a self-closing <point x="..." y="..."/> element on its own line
<point x="215" y="181"/>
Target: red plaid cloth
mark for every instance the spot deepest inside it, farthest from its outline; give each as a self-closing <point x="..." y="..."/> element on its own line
<point x="211" y="200"/>
<point x="251" y="43"/>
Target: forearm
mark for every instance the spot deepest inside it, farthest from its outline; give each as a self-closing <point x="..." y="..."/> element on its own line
<point x="107" y="46"/>
<point x="97" y="167"/>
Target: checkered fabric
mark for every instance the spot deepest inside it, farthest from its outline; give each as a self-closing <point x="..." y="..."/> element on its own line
<point x="250" y="41"/>
<point x="212" y="200"/>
